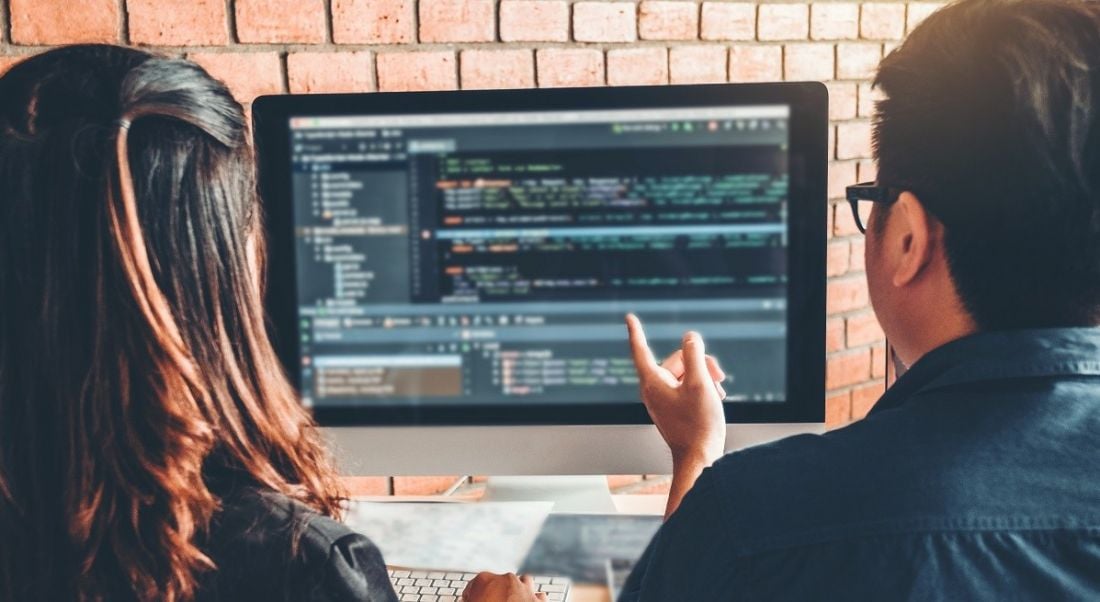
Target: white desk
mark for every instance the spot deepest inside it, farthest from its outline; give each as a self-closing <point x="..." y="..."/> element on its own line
<point x="582" y="592"/>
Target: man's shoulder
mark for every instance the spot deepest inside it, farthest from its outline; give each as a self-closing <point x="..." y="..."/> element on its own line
<point x="929" y="466"/>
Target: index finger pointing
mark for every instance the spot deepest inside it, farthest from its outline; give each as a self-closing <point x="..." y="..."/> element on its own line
<point x="639" y="347"/>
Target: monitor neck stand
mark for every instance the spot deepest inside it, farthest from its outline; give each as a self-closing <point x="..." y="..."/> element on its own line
<point x="586" y="494"/>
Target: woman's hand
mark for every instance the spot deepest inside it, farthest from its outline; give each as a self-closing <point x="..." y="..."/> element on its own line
<point x="684" y="398"/>
<point x="488" y="587"/>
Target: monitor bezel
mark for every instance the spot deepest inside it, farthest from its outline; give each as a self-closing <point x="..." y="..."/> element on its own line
<point x="808" y="102"/>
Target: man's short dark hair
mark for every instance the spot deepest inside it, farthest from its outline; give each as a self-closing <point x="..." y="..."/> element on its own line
<point x="991" y="116"/>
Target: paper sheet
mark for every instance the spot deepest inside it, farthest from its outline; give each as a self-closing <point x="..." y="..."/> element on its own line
<point x="469" y="537"/>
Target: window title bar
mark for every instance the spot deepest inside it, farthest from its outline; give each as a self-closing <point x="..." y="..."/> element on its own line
<point x="539" y="117"/>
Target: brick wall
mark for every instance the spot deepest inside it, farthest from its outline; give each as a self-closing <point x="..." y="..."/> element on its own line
<point x="274" y="46"/>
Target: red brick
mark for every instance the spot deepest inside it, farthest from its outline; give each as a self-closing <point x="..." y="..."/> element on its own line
<point x="457" y="21"/>
<point x="605" y="22"/>
<point x="637" y="66"/>
<point x="882" y="21"/>
<point x="856" y="256"/>
<point x="864" y="398"/>
<point x="834" y="334"/>
<point x="863" y="329"/>
<point x="845" y="294"/>
<point x="48" y="22"/>
<point x="363" y="486"/>
<point x="416" y="71"/>
<point x="867" y="97"/>
<point x="841" y="175"/>
<point x="919" y="11"/>
<point x="836" y="258"/>
<point x="312" y="72"/>
<point x="756" y="63"/>
<point x="853" y="140"/>
<point x="615" y="481"/>
<point x="422" y="485"/>
<point x="783" y="22"/>
<point x="373" y="21"/>
<point x="808" y="62"/>
<point x="280" y="21"/>
<point x="652" y="486"/>
<point x="534" y="21"/>
<point x="878" y="361"/>
<point x="177" y="22"/>
<point x="843" y="223"/>
<point x="697" y="64"/>
<point x="834" y="21"/>
<point x="842" y="100"/>
<point x="248" y="75"/>
<point x="846" y="369"/>
<point x="857" y="60"/>
<point x="7" y="61"/>
<point x="668" y="20"/>
<point x="495" y="69"/>
<point x="867" y="171"/>
<point x="838" y="409"/>
<point x="729" y="21"/>
<point x="569" y="67"/>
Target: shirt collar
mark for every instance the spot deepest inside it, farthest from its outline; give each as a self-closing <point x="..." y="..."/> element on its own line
<point x="999" y="355"/>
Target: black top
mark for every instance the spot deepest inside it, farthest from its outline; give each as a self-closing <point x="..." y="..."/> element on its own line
<point x="268" y="547"/>
<point x="976" y="477"/>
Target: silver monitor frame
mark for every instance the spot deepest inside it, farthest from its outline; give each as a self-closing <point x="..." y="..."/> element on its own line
<point x="524" y="450"/>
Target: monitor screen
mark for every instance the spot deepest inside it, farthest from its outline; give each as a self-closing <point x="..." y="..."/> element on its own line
<point x="487" y="258"/>
<point x="443" y="258"/>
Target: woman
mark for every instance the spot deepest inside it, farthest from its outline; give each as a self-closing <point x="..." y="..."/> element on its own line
<point x="150" y="446"/>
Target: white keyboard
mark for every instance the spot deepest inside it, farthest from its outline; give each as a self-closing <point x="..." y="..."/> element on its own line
<point x="440" y="586"/>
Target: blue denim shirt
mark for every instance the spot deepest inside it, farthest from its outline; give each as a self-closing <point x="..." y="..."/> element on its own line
<point x="976" y="477"/>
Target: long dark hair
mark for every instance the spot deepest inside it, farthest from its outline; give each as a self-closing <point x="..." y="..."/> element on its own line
<point x="134" y="361"/>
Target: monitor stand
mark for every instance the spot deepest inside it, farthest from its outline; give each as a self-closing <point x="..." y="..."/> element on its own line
<point x="587" y="494"/>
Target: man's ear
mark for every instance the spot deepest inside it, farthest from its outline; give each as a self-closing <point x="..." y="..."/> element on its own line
<point x="917" y="230"/>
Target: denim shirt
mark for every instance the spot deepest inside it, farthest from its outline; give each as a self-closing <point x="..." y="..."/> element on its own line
<point x="975" y="477"/>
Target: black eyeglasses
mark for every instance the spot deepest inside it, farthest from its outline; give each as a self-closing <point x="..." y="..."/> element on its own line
<point x="862" y="196"/>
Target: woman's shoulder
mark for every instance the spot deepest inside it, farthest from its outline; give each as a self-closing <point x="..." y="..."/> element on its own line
<point x="268" y="546"/>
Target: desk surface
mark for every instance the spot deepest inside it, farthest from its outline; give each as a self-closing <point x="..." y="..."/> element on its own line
<point x="626" y="504"/>
<point x="591" y="593"/>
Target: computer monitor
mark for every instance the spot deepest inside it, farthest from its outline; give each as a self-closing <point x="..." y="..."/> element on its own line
<point x="449" y="271"/>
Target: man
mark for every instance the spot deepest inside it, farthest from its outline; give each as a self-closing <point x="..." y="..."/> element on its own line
<point x="977" y="475"/>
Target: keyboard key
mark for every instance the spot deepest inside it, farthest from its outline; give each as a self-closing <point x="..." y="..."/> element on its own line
<point x="410" y="589"/>
<point x="418" y="574"/>
<point x="400" y="574"/>
<point x="547" y="587"/>
<point x="448" y="599"/>
<point x="453" y="576"/>
<point x="435" y="575"/>
<point x="447" y="591"/>
<point x="459" y="585"/>
<point x="440" y="583"/>
<point x="555" y="597"/>
<point x="410" y="598"/>
<point x="559" y="581"/>
<point x="432" y="598"/>
<point x="429" y="590"/>
<point x="542" y="580"/>
<point x="468" y="576"/>
<point x="406" y="581"/>
<point x="424" y="582"/>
